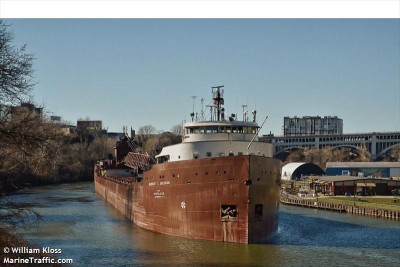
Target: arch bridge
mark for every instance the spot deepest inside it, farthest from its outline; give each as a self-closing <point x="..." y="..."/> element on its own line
<point x="376" y="143"/>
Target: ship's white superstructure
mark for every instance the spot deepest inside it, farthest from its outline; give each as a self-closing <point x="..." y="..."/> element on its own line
<point x="217" y="138"/>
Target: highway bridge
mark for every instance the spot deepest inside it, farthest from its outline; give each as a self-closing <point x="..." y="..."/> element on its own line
<point x="376" y="143"/>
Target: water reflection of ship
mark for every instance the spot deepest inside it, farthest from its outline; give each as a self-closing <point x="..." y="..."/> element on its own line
<point x="220" y="183"/>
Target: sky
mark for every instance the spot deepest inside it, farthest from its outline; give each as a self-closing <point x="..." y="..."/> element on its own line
<point x="136" y="72"/>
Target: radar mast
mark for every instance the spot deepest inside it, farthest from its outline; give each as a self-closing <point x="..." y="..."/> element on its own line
<point x="218" y="99"/>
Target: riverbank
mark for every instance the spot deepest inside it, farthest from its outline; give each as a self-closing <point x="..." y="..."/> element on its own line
<point x="10" y="185"/>
<point x="358" y="206"/>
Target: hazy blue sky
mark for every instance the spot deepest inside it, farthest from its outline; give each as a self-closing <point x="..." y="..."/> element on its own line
<point x="136" y="72"/>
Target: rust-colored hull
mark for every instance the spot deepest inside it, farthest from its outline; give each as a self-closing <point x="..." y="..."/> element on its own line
<point x="189" y="198"/>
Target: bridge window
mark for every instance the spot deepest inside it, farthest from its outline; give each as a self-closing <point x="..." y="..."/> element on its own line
<point x="163" y="159"/>
<point x="212" y="129"/>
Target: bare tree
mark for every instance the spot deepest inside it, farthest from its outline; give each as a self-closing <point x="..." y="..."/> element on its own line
<point x="396" y="153"/>
<point x="15" y="85"/>
<point x="151" y="146"/>
<point x="393" y="154"/>
<point x="25" y="134"/>
<point x="177" y="130"/>
<point x="321" y="156"/>
<point x="15" y="69"/>
<point x="13" y="214"/>
<point x="145" y="132"/>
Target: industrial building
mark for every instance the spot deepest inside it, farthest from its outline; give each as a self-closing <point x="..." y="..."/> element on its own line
<point x="312" y="125"/>
<point x="88" y="125"/>
<point x="364" y="169"/>
<point x="351" y="186"/>
<point x="17" y="111"/>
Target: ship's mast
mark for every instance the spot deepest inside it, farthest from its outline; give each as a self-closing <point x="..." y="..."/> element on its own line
<point x="218" y="99"/>
<point x="202" y="109"/>
<point x="192" y="114"/>
<point x="244" y="112"/>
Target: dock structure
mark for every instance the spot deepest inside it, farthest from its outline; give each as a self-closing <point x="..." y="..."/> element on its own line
<point x="344" y="207"/>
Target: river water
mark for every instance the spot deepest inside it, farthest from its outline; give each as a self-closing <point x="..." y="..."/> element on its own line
<point x="86" y="229"/>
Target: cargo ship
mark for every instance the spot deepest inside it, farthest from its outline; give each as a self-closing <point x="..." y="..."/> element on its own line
<point x="220" y="183"/>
